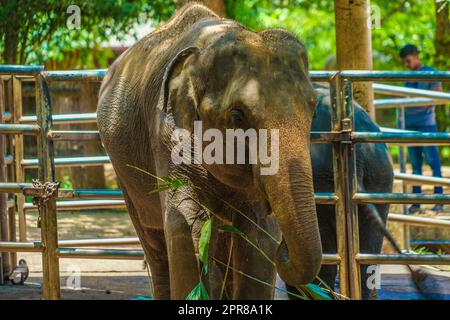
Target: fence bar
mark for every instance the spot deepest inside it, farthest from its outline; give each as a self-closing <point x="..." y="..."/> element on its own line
<point x="27" y="129"/>
<point x="411" y="92"/>
<point x="339" y="174"/>
<point x="413" y="137"/>
<point x="75" y="75"/>
<point x="12" y="246"/>
<point x="363" y="75"/>
<point x="403" y="259"/>
<point x="69" y="205"/>
<point x="401" y="198"/>
<point x="325" y="198"/>
<point x="70" y="161"/>
<point x="49" y="226"/>
<point x="17" y="187"/>
<point x="20" y="69"/>
<point x="74" y="118"/>
<point x="77" y="253"/>
<point x="418" y="221"/>
<point x="331" y="259"/>
<point x="348" y="126"/>
<point x="74" y="135"/>
<point x="322" y="76"/>
<point x="412" y="178"/>
<point x="407" y="102"/>
<point x="5" y="263"/>
<point x="17" y="109"/>
<point x="325" y="137"/>
<point x="98" y="242"/>
<point x="90" y="194"/>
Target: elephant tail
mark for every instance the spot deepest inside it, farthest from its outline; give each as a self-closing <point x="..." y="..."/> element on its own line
<point x="371" y="213"/>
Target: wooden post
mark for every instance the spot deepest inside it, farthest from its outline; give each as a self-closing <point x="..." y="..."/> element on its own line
<point x="49" y="229"/>
<point x="11" y="177"/>
<point x="18" y="155"/>
<point x="339" y="177"/>
<point x="5" y="267"/>
<point x="354" y="45"/>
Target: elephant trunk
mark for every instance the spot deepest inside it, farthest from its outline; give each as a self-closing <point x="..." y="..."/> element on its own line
<point x="291" y="196"/>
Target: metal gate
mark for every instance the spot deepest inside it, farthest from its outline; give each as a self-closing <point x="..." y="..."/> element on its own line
<point x="345" y="198"/>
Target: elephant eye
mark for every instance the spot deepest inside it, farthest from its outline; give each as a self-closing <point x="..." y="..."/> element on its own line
<point x="237" y="117"/>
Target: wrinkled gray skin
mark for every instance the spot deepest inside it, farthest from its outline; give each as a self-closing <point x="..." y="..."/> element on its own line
<point x="375" y="174"/>
<point x="230" y="77"/>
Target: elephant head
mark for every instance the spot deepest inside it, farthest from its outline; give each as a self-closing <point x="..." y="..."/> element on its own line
<point x="242" y="79"/>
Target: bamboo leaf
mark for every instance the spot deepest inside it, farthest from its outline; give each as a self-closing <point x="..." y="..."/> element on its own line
<point x="177" y="183"/>
<point x="194" y="294"/>
<point x="316" y="292"/>
<point x="203" y="293"/>
<point x="203" y="244"/>
<point x="161" y="188"/>
<point x="198" y="293"/>
<point x="230" y="228"/>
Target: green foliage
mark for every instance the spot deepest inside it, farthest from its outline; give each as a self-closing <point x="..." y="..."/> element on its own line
<point x="311" y="21"/>
<point x="66" y="183"/>
<point x="316" y="292"/>
<point x="198" y="293"/>
<point x="168" y="183"/>
<point x="203" y="244"/>
<point x="36" y="31"/>
<point x="230" y="228"/>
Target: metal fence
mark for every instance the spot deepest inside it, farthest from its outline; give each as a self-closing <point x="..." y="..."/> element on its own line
<point x="345" y="198"/>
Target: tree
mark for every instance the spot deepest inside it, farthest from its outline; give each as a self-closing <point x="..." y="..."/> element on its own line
<point x="441" y="58"/>
<point x="35" y="31"/>
<point x="354" y="45"/>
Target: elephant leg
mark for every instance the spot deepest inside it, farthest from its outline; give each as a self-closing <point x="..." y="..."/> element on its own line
<point x="154" y="245"/>
<point x="248" y="260"/>
<point x="183" y="223"/>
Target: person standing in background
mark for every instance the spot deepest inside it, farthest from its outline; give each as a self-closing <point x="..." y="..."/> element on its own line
<point x="421" y="119"/>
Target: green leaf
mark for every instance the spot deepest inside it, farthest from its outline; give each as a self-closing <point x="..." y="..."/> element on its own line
<point x="177" y="183"/>
<point x="230" y="228"/>
<point x="203" y="244"/>
<point x="317" y="292"/>
<point x="161" y="188"/>
<point x="198" y="293"/>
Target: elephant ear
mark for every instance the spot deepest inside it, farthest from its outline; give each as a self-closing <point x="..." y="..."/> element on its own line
<point x="181" y="87"/>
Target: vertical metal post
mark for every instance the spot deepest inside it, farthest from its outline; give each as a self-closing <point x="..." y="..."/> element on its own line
<point x="49" y="230"/>
<point x="4" y="257"/>
<point x="18" y="155"/>
<point x="402" y="163"/>
<point x="339" y="177"/>
<point x="351" y="186"/>
<point x="11" y="177"/>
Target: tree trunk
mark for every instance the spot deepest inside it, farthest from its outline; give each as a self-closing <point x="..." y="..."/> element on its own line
<point x="217" y="6"/>
<point x="354" y="45"/>
<point x="10" y="53"/>
<point x="441" y="59"/>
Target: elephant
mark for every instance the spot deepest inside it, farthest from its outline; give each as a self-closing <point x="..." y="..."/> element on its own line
<point x="199" y="67"/>
<point x="374" y="173"/>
